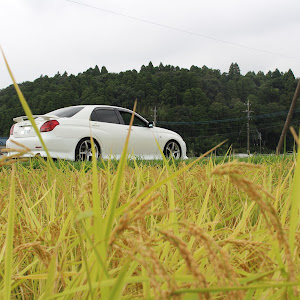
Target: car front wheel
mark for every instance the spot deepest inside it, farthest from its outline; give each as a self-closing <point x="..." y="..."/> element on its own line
<point x="172" y="149"/>
<point x="83" y="150"/>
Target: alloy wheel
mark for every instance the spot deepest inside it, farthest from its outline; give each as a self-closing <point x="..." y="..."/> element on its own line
<point x="172" y="149"/>
<point x="85" y="151"/>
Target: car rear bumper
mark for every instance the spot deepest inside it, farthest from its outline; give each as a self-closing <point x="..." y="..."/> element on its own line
<point x="63" y="148"/>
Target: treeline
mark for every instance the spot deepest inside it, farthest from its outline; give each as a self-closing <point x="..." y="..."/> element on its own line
<point x="204" y="105"/>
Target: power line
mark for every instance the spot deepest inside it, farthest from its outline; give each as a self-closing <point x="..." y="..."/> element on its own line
<point x="262" y="116"/>
<point x="182" y="30"/>
<point x="229" y="133"/>
<point x="264" y="125"/>
<point x="243" y="130"/>
<point x="202" y="122"/>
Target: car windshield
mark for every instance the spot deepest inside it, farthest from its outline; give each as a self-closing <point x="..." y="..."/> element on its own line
<point x="66" y="112"/>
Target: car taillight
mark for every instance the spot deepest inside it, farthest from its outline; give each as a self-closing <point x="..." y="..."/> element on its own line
<point x="11" y="132"/>
<point x="49" y="126"/>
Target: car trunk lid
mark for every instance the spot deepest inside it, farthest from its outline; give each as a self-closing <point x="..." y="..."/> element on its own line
<point x="23" y="128"/>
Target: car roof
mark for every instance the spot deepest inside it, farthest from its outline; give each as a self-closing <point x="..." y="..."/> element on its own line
<point x="92" y="106"/>
<point x="84" y="113"/>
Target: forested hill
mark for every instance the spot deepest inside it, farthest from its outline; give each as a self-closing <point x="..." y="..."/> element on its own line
<point x="204" y="105"/>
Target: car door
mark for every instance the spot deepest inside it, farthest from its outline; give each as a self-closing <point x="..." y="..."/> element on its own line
<point x="106" y="127"/>
<point x="142" y="137"/>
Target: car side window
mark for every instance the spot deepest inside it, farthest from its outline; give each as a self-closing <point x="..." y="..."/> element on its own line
<point x="105" y="115"/>
<point x="136" y="122"/>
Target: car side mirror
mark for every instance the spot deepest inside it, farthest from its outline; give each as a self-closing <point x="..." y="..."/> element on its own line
<point x="150" y="124"/>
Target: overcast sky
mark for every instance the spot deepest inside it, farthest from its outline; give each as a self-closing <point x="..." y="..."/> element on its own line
<point x="42" y="37"/>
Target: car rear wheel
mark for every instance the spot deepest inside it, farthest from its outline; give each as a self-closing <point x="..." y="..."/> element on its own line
<point x="83" y="150"/>
<point x="172" y="149"/>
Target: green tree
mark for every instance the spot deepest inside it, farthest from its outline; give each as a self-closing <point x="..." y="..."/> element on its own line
<point x="234" y="72"/>
<point x="103" y="70"/>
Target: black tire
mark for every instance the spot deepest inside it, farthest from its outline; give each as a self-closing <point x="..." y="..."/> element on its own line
<point x="172" y="149"/>
<point x="83" y="150"/>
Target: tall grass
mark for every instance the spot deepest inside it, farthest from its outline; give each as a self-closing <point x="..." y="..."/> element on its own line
<point x="182" y="231"/>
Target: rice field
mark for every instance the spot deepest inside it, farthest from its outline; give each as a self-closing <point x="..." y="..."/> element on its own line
<point x="208" y="231"/>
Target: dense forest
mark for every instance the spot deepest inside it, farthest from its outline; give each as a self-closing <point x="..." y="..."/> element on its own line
<point x="203" y="105"/>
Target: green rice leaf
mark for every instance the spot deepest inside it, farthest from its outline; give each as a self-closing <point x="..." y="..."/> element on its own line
<point x="84" y="215"/>
<point x="109" y="217"/>
<point x="173" y="220"/>
<point x="118" y="287"/>
<point x="295" y="205"/>
<point x="49" y="289"/>
<point x="9" y="240"/>
<point x="27" y="109"/>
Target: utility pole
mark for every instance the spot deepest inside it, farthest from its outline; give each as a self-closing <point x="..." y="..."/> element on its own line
<point x="248" y="126"/>
<point x="259" y="137"/>
<point x="154" y="116"/>
<point x="288" y="118"/>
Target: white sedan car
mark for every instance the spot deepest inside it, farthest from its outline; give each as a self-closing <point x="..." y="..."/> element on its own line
<point x="66" y="133"/>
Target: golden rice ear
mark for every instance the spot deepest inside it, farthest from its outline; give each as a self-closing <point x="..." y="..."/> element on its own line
<point x="18" y="153"/>
<point x="295" y="136"/>
<point x="268" y="211"/>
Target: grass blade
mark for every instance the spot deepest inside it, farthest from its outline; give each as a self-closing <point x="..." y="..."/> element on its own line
<point x="49" y="290"/>
<point x="117" y="186"/>
<point x="9" y="240"/>
<point x="295" y="204"/>
<point x="27" y="109"/>
<point x="118" y="287"/>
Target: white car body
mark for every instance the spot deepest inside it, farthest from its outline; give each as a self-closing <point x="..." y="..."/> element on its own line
<point x="63" y="141"/>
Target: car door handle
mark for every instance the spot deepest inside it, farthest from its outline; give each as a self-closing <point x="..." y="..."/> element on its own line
<point x="130" y="130"/>
<point x="96" y="125"/>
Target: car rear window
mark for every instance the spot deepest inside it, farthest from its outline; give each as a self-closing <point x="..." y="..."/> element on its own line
<point x="66" y="112"/>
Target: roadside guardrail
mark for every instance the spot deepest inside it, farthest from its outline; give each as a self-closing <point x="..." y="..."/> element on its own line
<point x="3" y="145"/>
